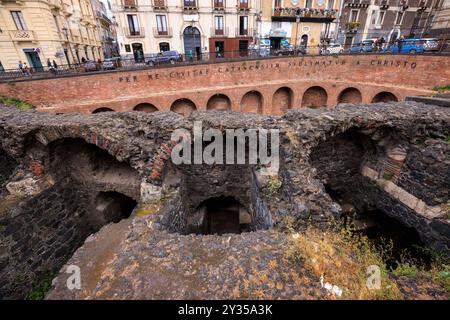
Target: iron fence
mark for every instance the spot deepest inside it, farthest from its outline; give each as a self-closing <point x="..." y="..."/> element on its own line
<point x="150" y="61"/>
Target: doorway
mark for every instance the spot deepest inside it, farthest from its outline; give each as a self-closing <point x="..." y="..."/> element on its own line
<point x="220" y="49"/>
<point x="243" y="48"/>
<point x="304" y="42"/>
<point x="222" y="216"/>
<point x="192" y="42"/>
<point x="138" y="52"/>
<point x="33" y="59"/>
<point x="164" y="46"/>
<point x="275" y="43"/>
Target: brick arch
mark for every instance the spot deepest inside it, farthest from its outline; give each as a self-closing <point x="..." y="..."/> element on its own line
<point x="315" y="97"/>
<point x="219" y="102"/>
<point x="282" y="100"/>
<point x="103" y="109"/>
<point x="350" y="95"/>
<point x="183" y="106"/>
<point x="252" y="101"/>
<point x="145" y="107"/>
<point x="384" y="96"/>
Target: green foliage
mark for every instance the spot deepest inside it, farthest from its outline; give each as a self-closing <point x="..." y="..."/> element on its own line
<point x="274" y="184"/>
<point x="442" y="89"/>
<point x="13" y="102"/>
<point x="39" y="291"/>
<point x="388" y="176"/>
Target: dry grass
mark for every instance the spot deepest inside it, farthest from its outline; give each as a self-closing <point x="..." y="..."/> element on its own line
<point x="342" y="259"/>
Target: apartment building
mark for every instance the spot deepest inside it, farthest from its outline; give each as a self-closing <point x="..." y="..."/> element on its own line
<point x="187" y="26"/>
<point x="390" y="19"/>
<point x="437" y="22"/>
<point x="301" y="22"/>
<point x="60" y="30"/>
<point x="106" y="26"/>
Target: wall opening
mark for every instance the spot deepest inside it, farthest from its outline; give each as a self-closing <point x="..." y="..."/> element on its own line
<point x="145" y="107"/>
<point x="100" y="110"/>
<point x="384" y="96"/>
<point x="221" y="216"/>
<point x="315" y="97"/>
<point x="339" y="161"/>
<point x="219" y="102"/>
<point x="252" y="102"/>
<point x="114" y="206"/>
<point x="350" y="95"/>
<point x="282" y="100"/>
<point x="183" y="106"/>
<point x="7" y="166"/>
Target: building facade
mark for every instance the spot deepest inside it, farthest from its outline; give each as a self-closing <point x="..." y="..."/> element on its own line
<point x="301" y="22"/>
<point x="437" y="22"/>
<point x="106" y="26"/>
<point x="35" y="31"/>
<point x="390" y="19"/>
<point x="187" y="26"/>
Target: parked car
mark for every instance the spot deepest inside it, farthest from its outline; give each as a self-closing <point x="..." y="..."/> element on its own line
<point x="334" y="48"/>
<point x="91" y="65"/>
<point x="164" y="57"/>
<point x="110" y="63"/>
<point x="414" y="45"/>
<point x="290" y="51"/>
<point x="363" y="46"/>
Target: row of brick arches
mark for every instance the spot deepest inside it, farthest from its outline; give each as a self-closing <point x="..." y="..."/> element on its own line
<point x="252" y="101"/>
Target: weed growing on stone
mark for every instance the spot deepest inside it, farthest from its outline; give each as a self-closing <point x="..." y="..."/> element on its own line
<point x="274" y="184"/>
<point x="442" y="89"/>
<point x="39" y="291"/>
<point x="13" y="102"/>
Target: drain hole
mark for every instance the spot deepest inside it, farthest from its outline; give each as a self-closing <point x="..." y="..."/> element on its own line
<point x="224" y="215"/>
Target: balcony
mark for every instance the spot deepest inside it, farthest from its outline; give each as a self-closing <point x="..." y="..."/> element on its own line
<point x="363" y="4"/>
<point x="190" y="9"/>
<point x="384" y="5"/>
<point x="219" y="33"/>
<point x="22" y="35"/>
<point x="159" y="5"/>
<point x="134" y="34"/>
<point x="305" y="14"/>
<point x="168" y="33"/>
<point x="244" y="32"/>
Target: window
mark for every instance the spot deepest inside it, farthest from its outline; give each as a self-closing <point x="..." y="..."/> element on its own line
<point x="381" y="17"/>
<point x="243" y="25"/>
<point x="243" y="4"/>
<point x="55" y="18"/>
<point x="218" y="4"/>
<point x="330" y="4"/>
<point x="127" y="48"/>
<point x="354" y="16"/>
<point x="189" y="3"/>
<point x="19" y="20"/>
<point x="161" y="24"/>
<point x="133" y="24"/>
<point x="277" y="3"/>
<point x="218" y="24"/>
<point x="164" y="46"/>
<point x="399" y="18"/>
<point x="308" y="4"/>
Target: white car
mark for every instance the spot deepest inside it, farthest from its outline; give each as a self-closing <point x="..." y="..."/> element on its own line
<point x="334" y="48"/>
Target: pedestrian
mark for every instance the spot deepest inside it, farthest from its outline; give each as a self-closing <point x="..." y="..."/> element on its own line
<point x="55" y="67"/>
<point x="20" y="67"/>
<point x="50" y="67"/>
<point x="400" y="44"/>
<point x="26" y="70"/>
<point x="382" y="42"/>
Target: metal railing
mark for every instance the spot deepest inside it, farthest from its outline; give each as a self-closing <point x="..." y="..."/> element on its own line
<point x="150" y="61"/>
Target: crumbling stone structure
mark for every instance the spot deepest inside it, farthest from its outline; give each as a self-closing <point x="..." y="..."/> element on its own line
<point x="63" y="177"/>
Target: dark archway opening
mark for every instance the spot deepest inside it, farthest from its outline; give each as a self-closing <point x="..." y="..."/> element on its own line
<point x="350" y="95"/>
<point x="100" y="110"/>
<point x="114" y="206"/>
<point x="222" y="216"/>
<point x="384" y="96"/>
<point x="145" y="107"/>
<point x="315" y="97"/>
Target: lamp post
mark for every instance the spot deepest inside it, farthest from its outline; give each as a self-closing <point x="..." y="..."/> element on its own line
<point x="297" y="20"/>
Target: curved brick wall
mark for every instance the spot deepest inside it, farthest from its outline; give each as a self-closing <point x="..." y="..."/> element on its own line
<point x="368" y="75"/>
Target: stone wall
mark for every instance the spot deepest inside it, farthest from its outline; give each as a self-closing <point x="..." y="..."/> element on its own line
<point x="39" y="235"/>
<point x="400" y="75"/>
